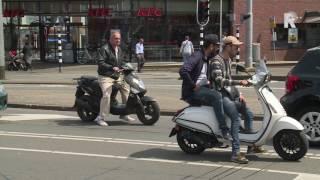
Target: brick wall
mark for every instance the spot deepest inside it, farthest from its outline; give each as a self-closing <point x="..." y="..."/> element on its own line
<point x="262" y="11"/>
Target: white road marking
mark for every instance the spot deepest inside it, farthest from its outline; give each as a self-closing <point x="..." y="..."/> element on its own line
<point x="300" y="175"/>
<point x="127" y="141"/>
<point x="30" y="117"/>
<point x="55" y="85"/>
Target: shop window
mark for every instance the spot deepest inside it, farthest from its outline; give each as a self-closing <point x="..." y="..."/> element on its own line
<point x="282" y="37"/>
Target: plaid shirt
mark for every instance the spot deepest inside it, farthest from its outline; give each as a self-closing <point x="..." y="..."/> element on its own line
<point x="220" y="73"/>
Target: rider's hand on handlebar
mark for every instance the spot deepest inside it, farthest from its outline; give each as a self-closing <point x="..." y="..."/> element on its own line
<point x="245" y="83"/>
<point x="116" y="69"/>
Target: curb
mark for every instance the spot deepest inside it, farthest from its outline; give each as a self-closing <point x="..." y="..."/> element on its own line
<point x="39" y="82"/>
<point x="257" y="117"/>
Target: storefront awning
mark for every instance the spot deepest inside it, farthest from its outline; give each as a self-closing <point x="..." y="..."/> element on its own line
<point x="311" y="17"/>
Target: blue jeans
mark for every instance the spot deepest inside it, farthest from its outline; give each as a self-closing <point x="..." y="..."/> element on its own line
<point x="231" y="110"/>
<point x="248" y="119"/>
<point x="211" y="97"/>
<point x="185" y="57"/>
<point x="247" y="115"/>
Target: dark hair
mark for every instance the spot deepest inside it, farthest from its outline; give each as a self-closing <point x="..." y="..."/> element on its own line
<point x="210" y="39"/>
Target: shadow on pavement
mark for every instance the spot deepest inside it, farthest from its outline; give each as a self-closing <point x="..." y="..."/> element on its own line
<point x="214" y="157"/>
<point x="82" y="123"/>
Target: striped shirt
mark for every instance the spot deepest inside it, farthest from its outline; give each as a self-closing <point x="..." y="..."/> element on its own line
<point x="220" y="73"/>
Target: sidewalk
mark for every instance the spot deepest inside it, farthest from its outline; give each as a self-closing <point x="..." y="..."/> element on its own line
<point x="45" y="73"/>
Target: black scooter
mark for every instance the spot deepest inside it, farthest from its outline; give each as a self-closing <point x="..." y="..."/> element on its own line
<point x="88" y="96"/>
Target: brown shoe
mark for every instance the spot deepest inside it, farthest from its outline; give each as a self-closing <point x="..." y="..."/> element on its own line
<point x="239" y="158"/>
<point x="256" y="150"/>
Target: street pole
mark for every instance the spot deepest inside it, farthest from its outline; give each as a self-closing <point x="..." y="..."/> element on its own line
<point x="221" y="25"/>
<point x="2" y="53"/>
<point x="248" y="62"/>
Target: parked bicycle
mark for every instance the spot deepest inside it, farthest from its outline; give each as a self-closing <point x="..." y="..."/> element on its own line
<point x="88" y="55"/>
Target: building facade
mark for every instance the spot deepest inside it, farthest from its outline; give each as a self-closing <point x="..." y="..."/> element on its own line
<point x="162" y="23"/>
<point x="307" y="23"/>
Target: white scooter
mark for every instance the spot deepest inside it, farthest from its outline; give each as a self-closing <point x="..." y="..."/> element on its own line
<point x="197" y="127"/>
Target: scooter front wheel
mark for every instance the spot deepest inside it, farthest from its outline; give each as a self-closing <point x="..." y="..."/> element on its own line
<point x="149" y="113"/>
<point x="187" y="145"/>
<point x="291" y="145"/>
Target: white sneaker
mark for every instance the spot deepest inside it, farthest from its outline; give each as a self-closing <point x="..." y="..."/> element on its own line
<point x="100" y="122"/>
<point x="127" y="118"/>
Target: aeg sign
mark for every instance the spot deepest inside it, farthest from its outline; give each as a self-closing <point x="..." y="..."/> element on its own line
<point x="149" y="12"/>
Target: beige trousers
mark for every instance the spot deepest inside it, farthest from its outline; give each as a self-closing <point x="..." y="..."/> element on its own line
<point x="106" y="87"/>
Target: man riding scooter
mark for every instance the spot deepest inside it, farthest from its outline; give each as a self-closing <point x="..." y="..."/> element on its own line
<point x="110" y="59"/>
<point x="221" y="79"/>
<point x="196" y="87"/>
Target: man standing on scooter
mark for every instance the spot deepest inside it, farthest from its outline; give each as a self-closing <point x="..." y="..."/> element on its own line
<point x="109" y="63"/>
<point x="196" y="86"/>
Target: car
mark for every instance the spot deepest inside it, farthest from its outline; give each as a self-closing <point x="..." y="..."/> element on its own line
<point x="302" y="97"/>
<point x="3" y="98"/>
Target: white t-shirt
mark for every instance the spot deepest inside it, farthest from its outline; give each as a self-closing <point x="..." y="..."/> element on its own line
<point x="203" y="79"/>
<point x="186" y="47"/>
<point x="139" y="48"/>
<point x="116" y="51"/>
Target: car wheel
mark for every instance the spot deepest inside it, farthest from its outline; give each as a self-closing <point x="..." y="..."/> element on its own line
<point x="309" y="117"/>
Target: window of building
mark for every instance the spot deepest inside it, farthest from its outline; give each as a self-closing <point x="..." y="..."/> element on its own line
<point x="282" y="37"/>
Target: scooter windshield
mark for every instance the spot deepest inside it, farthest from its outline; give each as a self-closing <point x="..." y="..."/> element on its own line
<point x="261" y="73"/>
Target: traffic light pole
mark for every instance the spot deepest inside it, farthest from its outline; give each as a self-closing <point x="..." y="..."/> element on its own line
<point x="201" y="35"/>
<point x="249" y="38"/>
<point x="203" y="9"/>
<point x="2" y="53"/>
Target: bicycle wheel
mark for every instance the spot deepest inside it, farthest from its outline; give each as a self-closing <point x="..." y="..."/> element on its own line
<point x="82" y="58"/>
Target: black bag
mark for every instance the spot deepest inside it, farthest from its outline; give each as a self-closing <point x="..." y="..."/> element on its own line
<point x="232" y="92"/>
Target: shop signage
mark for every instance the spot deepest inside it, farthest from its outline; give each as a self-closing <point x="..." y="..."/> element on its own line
<point x="98" y="12"/>
<point x="290" y="19"/>
<point x="293" y="35"/>
<point x="13" y="13"/>
<point x="149" y="12"/>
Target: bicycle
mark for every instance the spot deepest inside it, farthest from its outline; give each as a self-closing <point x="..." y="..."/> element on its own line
<point x="88" y="55"/>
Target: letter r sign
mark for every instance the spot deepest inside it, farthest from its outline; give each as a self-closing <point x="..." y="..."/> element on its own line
<point x="290" y="18"/>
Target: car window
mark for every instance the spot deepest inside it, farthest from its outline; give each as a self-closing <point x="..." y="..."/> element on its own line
<point x="309" y="63"/>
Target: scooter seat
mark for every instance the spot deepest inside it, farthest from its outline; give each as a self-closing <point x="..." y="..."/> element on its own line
<point x="194" y="102"/>
<point x="89" y="78"/>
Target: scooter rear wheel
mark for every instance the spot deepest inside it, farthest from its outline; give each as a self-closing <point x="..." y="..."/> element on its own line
<point x="84" y="113"/>
<point x="290" y="145"/>
<point x="187" y="145"/>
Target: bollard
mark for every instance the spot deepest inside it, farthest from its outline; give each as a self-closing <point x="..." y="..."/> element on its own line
<point x="256" y="56"/>
<point x="238" y="37"/>
<point x="59" y="51"/>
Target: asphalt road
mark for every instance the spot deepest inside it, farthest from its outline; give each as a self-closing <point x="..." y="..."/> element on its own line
<point x="37" y="144"/>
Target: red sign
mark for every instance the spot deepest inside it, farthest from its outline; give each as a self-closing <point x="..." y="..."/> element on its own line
<point x="149" y="12"/>
<point x="13" y="13"/>
<point x="96" y="12"/>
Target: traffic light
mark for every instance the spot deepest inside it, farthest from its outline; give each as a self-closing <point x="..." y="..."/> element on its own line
<point x="67" y="19"/>
<point x="203" y="9"/>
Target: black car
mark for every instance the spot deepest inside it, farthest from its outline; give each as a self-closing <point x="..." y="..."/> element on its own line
<point x="302" y="98"/>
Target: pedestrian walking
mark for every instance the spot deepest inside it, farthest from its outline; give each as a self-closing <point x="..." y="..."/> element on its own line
<point x="140" y="54"/>
<point x="186" y="49"/>
<point x="27" y="55"/>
